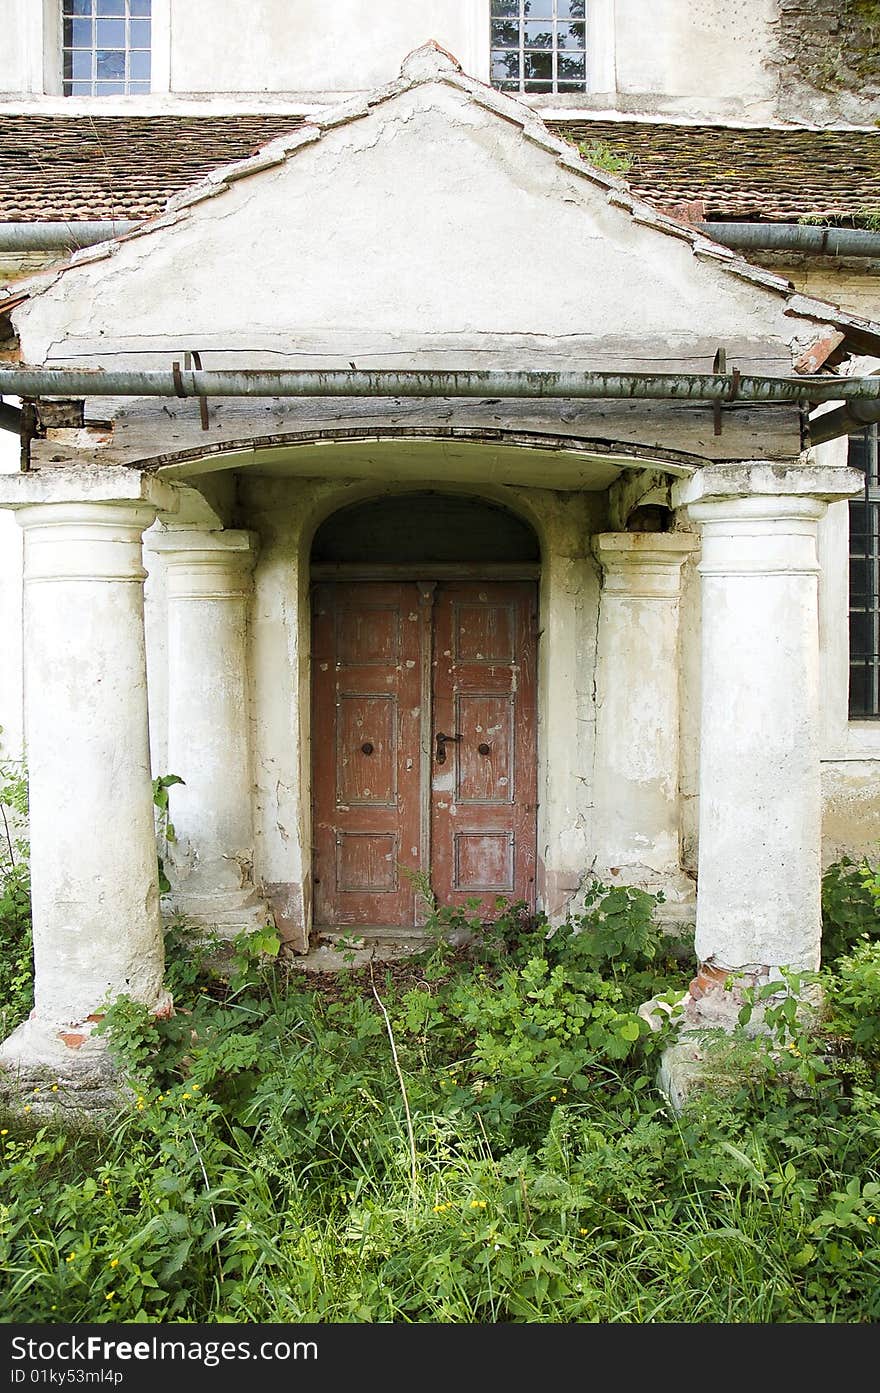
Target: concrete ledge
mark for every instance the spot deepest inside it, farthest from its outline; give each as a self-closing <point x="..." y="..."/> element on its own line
<point x="77" y="483"/>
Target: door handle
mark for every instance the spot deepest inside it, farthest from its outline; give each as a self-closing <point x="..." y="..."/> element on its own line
<point x="441" y="745"/>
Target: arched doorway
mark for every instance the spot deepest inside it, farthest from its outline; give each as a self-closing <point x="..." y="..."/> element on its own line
<point x="424" y="719"/>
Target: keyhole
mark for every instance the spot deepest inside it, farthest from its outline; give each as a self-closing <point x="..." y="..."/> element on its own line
<point x="367" y="748"/>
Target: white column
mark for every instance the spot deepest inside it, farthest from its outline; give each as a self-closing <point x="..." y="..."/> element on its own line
<point x="758" y="903"/>
<point x="209" y="580"/>
<point x="637" y="709"/>
<point x="97" y="929"/>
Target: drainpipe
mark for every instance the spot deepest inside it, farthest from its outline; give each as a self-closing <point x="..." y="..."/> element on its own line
<point x="794" y="237"/>
<point x="58" y="236"/>
<point x="698" y="387"/>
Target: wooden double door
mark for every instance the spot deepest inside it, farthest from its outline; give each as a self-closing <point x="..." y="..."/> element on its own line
<point x="423" y="733"/>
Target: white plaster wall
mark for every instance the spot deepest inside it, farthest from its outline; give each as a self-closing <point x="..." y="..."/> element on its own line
<point x="700" y="56"/>
<point x="315" y="45"/>
<point x="691" y="57"/>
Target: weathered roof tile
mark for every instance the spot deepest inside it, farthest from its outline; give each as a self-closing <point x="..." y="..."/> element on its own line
<point x="57" y="168"/>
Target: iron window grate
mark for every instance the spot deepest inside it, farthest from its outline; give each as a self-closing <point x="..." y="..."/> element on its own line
<point x="106" y="47"/>
<point x="539" y="45"/>
<point x="864" y="580"/>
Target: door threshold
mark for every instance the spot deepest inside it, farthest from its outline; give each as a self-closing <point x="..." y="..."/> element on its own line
<point x="338" y="949"/>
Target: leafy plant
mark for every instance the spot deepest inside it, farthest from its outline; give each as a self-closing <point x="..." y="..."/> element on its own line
<point x="850" y="907"/>
<point x="16" y="946"/>
<point x="164" y="826"/>
<point x="600" y="155"/>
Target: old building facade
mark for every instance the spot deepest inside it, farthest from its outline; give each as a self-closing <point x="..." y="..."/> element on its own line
<point x="409" y="461"/>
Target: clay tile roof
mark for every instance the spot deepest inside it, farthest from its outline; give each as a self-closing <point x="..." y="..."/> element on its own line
<point x="70" y="168"/>
<point x="760" y="175"/>
<point x="75" y="168"/>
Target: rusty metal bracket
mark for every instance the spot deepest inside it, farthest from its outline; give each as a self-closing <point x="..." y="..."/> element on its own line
<point x="178" y="380"/>
<point x="203" y="401"/>
<point x="719" y="365"/>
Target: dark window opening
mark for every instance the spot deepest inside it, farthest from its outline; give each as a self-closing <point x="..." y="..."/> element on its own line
<point x="864" y="581"/>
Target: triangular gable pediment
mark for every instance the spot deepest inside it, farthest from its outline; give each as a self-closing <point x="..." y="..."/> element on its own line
<point x="436" y="224"/>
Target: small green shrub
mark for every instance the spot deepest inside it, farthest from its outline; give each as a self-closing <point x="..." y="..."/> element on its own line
<point x="853" y="996"/>
<point x="600" y="155"/>
<point x="16" y="945"/>
<point x="850" y="907"/>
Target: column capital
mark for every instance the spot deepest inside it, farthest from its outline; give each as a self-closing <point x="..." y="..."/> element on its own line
<point x="95" y="541"/>
<point x="191" y="543"/>
<point x="753" y="488"/>
<point x="643" y="563"/>
<point x="205" y="565"/>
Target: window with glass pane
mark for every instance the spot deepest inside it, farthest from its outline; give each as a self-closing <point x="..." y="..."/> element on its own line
<point x="864" y="580"/>
<point x="105" y="47"/>
<point x="539" y="45"/>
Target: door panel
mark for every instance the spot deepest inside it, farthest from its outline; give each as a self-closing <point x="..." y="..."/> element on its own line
<point x="367" y="699"/>
<point x="484" y="793"/>
<point x="395" y="666"/>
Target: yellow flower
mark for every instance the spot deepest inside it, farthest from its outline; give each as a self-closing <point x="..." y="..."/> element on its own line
<point x="552" y="1097"/>
<point x="70" y="1257"/>
<point x="54" y="1088"/>
<point x="187" y="1095"/>
<point x="110" y="1295"/>
<point x="583" y="1231"/>
<point x="4" y="1131"/>
<point x="196" y="1087"/>
<point x="872" y="1218"/>
<point x="36" y="1090"/>
<point x="27" y="1107"/>
<point x="478" y="1204"/>
<point x="114" y="1262"/>
<point x="565" y="1090"/>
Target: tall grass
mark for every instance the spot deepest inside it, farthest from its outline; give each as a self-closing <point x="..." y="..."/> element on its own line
<point x="471" y="1137"/>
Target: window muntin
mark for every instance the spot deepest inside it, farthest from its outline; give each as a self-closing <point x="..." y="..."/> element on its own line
<point x="864" y="580"/>
<point x="105" y="47"/>
<point x="539" y="45"/>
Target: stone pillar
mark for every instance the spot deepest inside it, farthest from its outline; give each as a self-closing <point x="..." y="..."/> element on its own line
<point x="637" y="710"/>
<point x="97" y="929"/>
<point x="210" y="865"/>
<point x="758" y="905"/>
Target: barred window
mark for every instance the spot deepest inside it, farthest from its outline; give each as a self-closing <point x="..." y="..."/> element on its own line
<point x="539" y="45"/>
<point x="864" y="580"/>
<point x="106" y="47"/>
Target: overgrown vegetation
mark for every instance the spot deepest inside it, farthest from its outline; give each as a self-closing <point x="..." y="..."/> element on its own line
<point x="16" y="950"/>
<point x="600" y="155"/>
<point x="471" y="1136"/>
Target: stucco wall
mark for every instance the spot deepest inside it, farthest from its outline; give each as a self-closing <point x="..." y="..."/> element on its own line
<point x="696" y="56"/>
<point x="710" y="59"/>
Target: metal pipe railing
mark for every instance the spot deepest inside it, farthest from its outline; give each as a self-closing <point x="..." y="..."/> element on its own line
<point x="709" y="387"/>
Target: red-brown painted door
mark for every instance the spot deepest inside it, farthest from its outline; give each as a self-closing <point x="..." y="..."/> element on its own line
<point x="484" y="792"/>
<point x="395" y="666"/>
<point x="366" y="726"/>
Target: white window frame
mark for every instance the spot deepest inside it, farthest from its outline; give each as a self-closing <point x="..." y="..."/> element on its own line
<point x="45" y="46"/>
<point x="601" y="60"/>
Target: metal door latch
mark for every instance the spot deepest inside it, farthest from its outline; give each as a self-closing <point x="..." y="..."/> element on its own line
<point x="441" y="745"/>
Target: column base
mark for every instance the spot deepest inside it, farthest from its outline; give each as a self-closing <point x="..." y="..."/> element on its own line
<point x="227" y="913"/>
<point x="61" y="1075"/>
<point x="707" y="1013"/>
